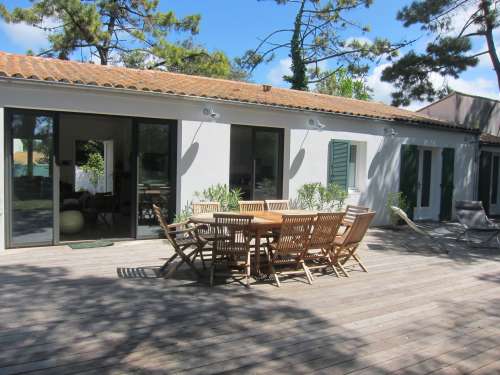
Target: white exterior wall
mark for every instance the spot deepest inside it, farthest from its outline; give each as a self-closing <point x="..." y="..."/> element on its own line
<point x="203" y="147"/>
<point x="204" y="158"/>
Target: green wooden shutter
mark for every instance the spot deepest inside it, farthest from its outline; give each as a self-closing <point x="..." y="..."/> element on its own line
<point x="408" y="178"/>
<point x="447" y="183"/>
<point x="484" y="186"/>
<point x="338" y="163"/>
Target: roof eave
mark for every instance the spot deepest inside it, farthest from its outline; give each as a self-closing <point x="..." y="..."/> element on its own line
<point x="403" y="121"/>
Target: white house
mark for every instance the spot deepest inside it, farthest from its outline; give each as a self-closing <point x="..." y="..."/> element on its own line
<point x="172" y="135"/>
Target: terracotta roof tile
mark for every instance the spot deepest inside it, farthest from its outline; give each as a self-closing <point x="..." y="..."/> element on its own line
<point x="71" y="72"/>
<point x="489" y="139"/>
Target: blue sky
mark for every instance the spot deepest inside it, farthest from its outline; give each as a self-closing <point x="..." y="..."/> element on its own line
<point x="235" y="26"/>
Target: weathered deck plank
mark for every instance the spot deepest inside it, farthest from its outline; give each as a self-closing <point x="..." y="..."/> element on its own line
<point x="102" y="311"/>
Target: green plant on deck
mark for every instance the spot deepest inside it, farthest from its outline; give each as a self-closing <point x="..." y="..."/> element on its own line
<point x="397" y="199"/>
<point x="228" y="198"/>
<point x="317" y="197"/>
<point x="184" y="215"/>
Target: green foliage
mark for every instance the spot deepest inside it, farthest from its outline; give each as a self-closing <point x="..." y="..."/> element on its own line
<point x="450" y="52"/>
<point x="94" y="167"/>
<point x="342" y="83"/>
<point x="321" y="32"/>
<point x="317" y="197"/>
<point x="184" y="215"/>
<point x="398" y="200"/>
<point x="131" y="32"/>
<point x="228" y="198"/>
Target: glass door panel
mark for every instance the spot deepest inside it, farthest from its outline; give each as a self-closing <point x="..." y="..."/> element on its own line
<point x="30" y="158"/>
<point x="267" y="165"/>
<point x="241" y="160"/>
<point x="256" y="161"/>
<point x="155" y="175"/>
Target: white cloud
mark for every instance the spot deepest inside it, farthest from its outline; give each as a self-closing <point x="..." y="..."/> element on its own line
<point x="476" y="86"/>
<point x="24" y="36"/>
<point x="275" y="75"/>
<point x="283" y="68"/>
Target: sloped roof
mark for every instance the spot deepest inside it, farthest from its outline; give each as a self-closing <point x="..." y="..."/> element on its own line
<point x="489" y="139"/>
<point x="75" y="73"/>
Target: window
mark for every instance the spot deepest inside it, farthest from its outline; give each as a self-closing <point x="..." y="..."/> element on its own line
<point x="353" y="152"/>
<point x="344" y="166"/>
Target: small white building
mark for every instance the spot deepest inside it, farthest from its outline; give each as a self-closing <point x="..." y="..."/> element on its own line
<point x="169" y="135"/>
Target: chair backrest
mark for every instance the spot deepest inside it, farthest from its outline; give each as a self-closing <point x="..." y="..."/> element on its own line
<point x="232" y="232"/>
<point x="471" y="214"/>
<point x="398" y="211"/>
<point x="358" y="229"/>
<point x="205" y="207"/>
<point x="351" y="212"/>
<point x="325" y="229"/>
<point x="273" y="205"/>
<point x="161" y="220"/>
<point x="294" y="234"/>
<point x="249" y="206"/>
<point x="174" y="232"/>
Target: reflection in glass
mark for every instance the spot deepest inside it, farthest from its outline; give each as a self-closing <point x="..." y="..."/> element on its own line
<point x="241" y="160"/>
<point x="256" y="162"/>
<point x="266" y="165"/>
<point x="153" y="176"/>
<point x="32" y="185"/>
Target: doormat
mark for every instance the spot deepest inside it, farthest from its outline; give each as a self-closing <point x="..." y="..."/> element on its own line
<point x="90" y="245"/>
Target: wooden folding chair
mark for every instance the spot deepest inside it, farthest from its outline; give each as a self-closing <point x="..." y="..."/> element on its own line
<point x="232" y="245"/>
<point x="290" y="247"/>
<point x="207" y="232"/>
<point x="345" y="246"/>
<point x="325" y="229"/>
<point x="249" y="206"/>
<point x="205" y="207"/>
<point x="350" y="214"/>
<point x="185" y="241"/>
<point x="277" y="205"/>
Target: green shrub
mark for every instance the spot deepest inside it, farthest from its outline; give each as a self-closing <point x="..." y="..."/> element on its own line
<point x="397" y="199"/>
<point x="228" y="198"/>
<point x="317" y="197"/>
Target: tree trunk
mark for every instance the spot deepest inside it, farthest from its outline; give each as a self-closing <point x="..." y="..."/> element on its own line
<point x="490" y="40"/>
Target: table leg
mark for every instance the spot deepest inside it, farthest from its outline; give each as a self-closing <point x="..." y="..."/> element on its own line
<point x="257" y="252"/>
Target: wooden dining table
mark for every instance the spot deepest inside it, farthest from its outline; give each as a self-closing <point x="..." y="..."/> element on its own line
<point x="262" y="223"/>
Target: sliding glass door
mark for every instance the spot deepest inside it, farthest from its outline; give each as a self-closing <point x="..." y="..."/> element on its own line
<point x="256" y="161"/>
<point x="30" y="178"/>
<point x="156" y="172"/>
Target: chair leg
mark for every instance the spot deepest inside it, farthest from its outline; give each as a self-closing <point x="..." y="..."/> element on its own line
<point x="276" y="278"/>
<point x="166" y="264"/>
<point x="359" y="262"/>
<point x="248" y="270"/>
<point x="307" y="271"/>
<point x="342" y="269"/>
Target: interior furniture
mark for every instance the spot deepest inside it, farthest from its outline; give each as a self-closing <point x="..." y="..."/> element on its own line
<point x="71" y="222"/>
<point x="232" y="246"/>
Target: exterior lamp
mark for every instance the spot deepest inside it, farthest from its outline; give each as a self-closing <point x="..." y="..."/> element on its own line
<point x="210" y="113"/>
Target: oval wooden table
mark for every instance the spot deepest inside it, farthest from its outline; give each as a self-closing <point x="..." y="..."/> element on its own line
<point x="263" y="222"/>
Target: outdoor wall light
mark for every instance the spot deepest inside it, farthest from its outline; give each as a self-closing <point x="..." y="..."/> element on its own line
<point x="315" y="124"/>
<point x="210" y="113"/>
<point x="390" y="132"/>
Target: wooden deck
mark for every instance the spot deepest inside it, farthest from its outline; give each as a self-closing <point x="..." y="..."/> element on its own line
<point x="103" y="311"/>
